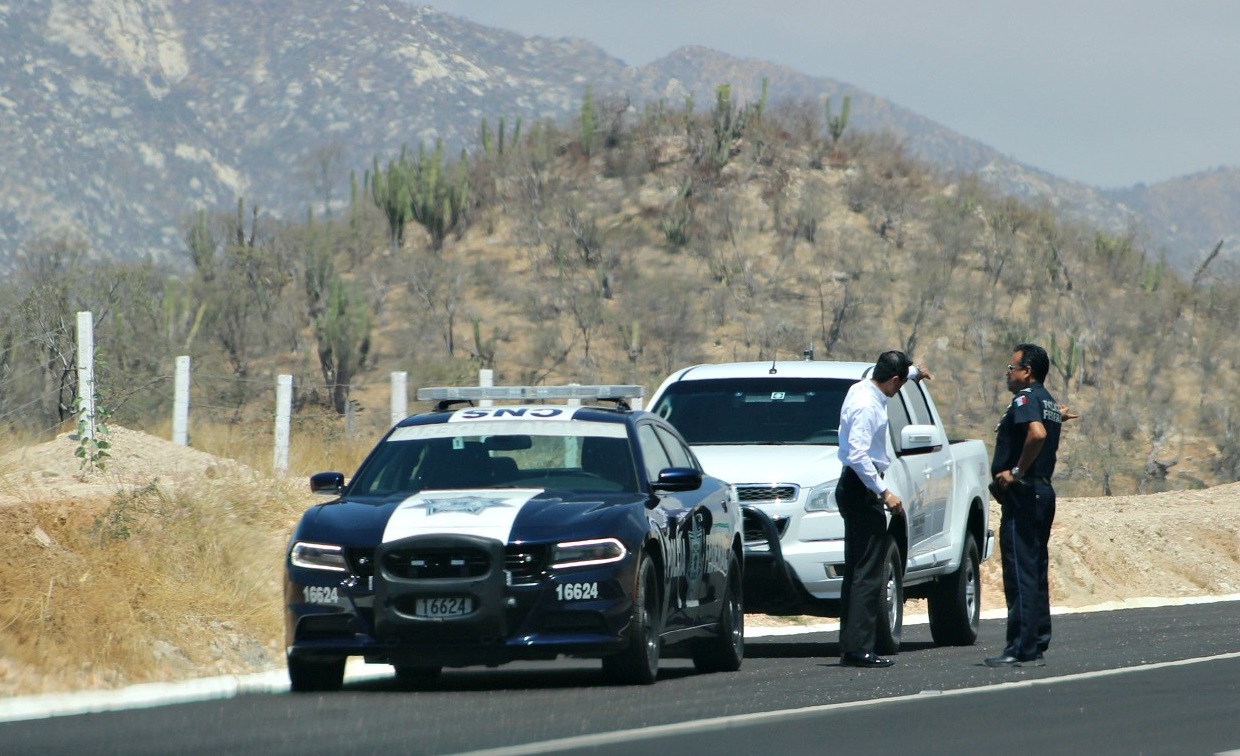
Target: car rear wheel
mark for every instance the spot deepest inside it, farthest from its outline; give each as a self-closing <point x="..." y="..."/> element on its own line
<point x="315" y="675"/>
<point x="955" y="603"/>
<point x="725" y="651"/>
<point x="891" y="624"/>
<point x="638" y="664"/>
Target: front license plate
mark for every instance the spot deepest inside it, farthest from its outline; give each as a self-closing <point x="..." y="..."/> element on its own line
<point x="443" y="606"/>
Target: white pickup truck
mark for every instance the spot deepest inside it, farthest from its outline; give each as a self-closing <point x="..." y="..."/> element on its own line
<point x="771" y="430"/>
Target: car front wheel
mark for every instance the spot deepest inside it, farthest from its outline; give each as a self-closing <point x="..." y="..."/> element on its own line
<point x="638" y="664"/>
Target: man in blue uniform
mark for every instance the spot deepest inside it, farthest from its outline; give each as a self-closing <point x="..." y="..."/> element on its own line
<point x="1026" y="443"/>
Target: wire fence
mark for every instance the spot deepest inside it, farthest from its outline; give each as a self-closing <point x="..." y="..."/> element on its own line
<point x="42" y="394"/>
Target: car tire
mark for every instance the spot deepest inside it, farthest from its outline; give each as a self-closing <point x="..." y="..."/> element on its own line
<point x="955" y="602"/>
<point x="315" y="675"/>
<point x="890" y="625"/>
<point x="725" y="651"/>
<point x="638" y="663"/>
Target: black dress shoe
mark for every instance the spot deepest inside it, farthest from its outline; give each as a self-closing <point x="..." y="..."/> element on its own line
<point x="1012" y="661"/>
<point x="866" y="661"/>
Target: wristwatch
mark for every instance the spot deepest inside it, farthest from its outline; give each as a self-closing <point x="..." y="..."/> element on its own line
<point x="1015" y="471"/>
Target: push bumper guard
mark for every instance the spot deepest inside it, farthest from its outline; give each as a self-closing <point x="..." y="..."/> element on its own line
<point x="770" y="585"/>
<point x="444" y="567"/>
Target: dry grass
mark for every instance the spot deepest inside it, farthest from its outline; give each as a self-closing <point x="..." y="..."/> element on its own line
<point x="120" y="582"/>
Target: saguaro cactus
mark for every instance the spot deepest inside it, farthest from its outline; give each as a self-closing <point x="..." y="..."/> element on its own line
<point x="1066" y="360"/>
<point x="837" y="124"/>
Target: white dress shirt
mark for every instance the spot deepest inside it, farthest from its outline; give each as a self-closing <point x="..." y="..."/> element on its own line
<point x="863" y="434"/>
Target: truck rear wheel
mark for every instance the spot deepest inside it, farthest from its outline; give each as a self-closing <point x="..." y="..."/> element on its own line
<point x="955" y="603"/>
<point x="891" y="624"/>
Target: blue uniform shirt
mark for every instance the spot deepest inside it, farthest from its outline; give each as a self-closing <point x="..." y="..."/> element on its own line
<point x="1032" y="403"/>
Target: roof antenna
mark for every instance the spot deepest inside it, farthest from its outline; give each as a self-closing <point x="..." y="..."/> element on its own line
<point x="808" y="354"/>
<point x="772" y="371"/>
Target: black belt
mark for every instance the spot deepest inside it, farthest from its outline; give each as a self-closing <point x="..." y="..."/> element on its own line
<point x="1040" y="481"/>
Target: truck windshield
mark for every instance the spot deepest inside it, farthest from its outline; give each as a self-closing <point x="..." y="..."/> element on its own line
<point x="773" y="410"/>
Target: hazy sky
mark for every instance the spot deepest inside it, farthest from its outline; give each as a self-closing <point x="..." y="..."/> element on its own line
<point x="1108" y="92"/>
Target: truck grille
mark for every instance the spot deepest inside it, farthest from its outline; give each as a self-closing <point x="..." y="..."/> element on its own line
<point x="748" y="494"/>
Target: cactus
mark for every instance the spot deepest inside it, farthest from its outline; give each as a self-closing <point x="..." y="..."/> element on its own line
<point x="727" y="123"/>
<point x="633" y="341"/>
<point x="342" y="331"/>
<point x="484" y="350"/>
<point x="1066" y="360"/>
<point x="1153" y="277"/>
<point x="836" y="125"/>
<point x="516" y="135"/>
<point x="485" y="136"/>
<point x="589" y="123"/>
<point x="389" y="190"/>
<point x="436" y="203"/>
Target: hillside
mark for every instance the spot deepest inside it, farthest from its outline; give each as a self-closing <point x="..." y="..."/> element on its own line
<point x="124" y="117"/>
<point x="69" y="587"/>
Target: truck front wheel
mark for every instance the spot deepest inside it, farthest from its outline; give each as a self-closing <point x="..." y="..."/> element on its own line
<point x="955" y="602"/>
<point x="891" y="623"/>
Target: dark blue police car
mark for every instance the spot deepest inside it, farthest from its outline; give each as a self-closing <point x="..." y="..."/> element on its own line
<point x="477" y="535"/>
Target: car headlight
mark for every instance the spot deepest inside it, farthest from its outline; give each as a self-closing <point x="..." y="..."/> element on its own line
<point x="822" y="498"/>
<point x="585" y="553"/>
<point x="318" y="556"/>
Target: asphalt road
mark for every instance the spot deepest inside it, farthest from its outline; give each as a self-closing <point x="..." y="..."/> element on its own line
<point x="1163" y="680"/>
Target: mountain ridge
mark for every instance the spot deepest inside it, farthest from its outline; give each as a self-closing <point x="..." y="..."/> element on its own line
<point x="126" y="116"/>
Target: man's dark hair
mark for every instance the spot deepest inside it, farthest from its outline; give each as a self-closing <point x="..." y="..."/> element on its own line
<point x="1034" y="357"/>
<point x="891" y="364"/>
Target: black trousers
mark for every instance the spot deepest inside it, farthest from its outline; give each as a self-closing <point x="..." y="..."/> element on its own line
<point x="865" y="540"/>
<point x="1024" y="531"/>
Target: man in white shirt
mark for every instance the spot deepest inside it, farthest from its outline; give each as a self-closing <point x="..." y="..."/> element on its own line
<point x="864" y="500"/>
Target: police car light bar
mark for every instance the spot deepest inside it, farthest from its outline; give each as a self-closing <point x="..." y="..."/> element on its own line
<point x="511" y="393"/>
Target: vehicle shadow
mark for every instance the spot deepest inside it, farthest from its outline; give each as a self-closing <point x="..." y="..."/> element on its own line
<point x="545" y="678"/>
<point x="782" y="649"/>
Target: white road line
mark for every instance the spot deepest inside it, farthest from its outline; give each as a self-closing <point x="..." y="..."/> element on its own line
<point x="766" y="717"/>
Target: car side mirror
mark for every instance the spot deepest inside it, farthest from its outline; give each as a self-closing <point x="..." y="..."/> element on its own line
<point x="327" y="483"/>
<point x="677" y="479"/>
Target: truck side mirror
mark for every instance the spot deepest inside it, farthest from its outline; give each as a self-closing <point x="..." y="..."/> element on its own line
<point x="921" y="439"/>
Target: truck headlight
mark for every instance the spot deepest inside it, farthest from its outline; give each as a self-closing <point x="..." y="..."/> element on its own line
<point x="318" y="556"/>
<point x="585" y="553"/>
<point x="822" y="498"/>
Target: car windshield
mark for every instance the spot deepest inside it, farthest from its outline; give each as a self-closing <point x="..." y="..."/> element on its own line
<point x="578" y="456"/>
<point x="750" y="411"/>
